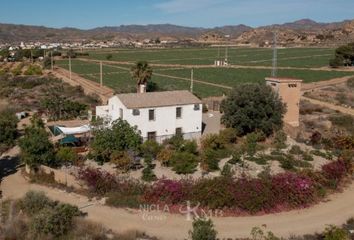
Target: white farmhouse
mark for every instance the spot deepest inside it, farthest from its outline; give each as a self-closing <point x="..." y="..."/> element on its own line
<point x="158" y="115"/>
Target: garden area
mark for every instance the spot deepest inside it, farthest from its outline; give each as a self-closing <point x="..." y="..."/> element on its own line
<point x="250" y="167"/>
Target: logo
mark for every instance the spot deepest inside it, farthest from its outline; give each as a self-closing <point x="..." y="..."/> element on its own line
<point x="159" y="213"/>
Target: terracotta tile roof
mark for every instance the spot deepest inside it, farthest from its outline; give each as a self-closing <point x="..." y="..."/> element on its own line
<point x="158" y="99"/>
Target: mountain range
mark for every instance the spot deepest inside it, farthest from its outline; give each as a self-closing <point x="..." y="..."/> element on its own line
<point x="301" y="32"/>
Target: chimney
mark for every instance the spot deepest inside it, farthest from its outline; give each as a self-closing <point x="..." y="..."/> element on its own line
<point x="142" y="88"/>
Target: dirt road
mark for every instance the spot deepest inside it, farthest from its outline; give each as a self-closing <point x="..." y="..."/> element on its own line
<point x="89" y="87"/>
<point x="321" y="84"/>
<point x="341" y="109"/>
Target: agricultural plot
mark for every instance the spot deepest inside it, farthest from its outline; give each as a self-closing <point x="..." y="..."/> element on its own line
<point x="172" y="77"/>
<point x="290" y="57"/>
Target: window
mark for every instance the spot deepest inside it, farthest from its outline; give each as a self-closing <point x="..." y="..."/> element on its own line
<point x="151" y="136"/>
<point x="292" y="85"/>
<point x="151" y="115"/>
<point x="120" y="112"/>
<point x="273" y="84"/>
<point x="196" y="107"/>
<point x="178" y="131"/>
<point x="136" y="112"/>
<point x="178" y="112"/>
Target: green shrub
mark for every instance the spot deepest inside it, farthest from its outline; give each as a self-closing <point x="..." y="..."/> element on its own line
<point x="250" y="145"/>
<point x="228" y="135"/>
<point x="260" y="159"/>
<point x="319" y="153"/>
<point x="209" y="160"/>
<point x="189" y="146"/>
<point x="335" y="233"/>
<point x="287" y="163"/>
<point x="66" y="155"/>
<point x="33" y="70"/>
<point x="211" y="141"/>
<point x="236" y="157"/>
<point x="150" y="148"/>
<point x="183" y="162"/>
<point x="56" y="221"/>
<point x="279" y="140"/>
<point x="175" y="142"/>
<point x="203" y="230"/>
<point x="226" y="170"/>
<point x="296" y="150"/>
<point x="306" y="156"/>
<point x="33" y="202"/>
<point x="148" y="174"/>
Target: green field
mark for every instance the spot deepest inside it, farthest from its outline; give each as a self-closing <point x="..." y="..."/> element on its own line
<point x="290" y="57"/>
<point x="117" y="76"/>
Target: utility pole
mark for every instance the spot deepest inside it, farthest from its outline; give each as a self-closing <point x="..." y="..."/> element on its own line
<point x="275" y="55"/>
<point x="51" y="60"/>
<point x="101" y="74"/>
<point x="70" y="68"/>
<point x="192" y="73"/>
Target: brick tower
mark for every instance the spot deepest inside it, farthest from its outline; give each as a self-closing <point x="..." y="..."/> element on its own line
<point x="289" y="91"/>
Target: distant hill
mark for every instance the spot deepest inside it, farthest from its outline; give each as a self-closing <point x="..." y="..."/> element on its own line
<point x="305" y="31"/>
<point x="301" y="32"/>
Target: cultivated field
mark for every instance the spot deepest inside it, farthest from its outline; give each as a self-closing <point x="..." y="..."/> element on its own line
<point x="172" y="67"/>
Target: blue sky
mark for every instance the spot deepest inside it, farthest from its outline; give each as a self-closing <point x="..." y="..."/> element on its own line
<point x="202" y="13"/>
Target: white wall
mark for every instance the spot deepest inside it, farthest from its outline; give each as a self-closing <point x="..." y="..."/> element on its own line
<point x="165" y="122"/>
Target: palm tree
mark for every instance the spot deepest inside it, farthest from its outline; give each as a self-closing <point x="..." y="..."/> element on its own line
<point x="141" y="73"/>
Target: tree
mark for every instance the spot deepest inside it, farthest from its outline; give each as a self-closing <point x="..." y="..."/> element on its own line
<point x="36" y="149"/>
<point x="141" y="73"/>
<point x="8" y="127"/>
<point x="109" y="57"/>
<point x="71" y="53"/>
<point x="344" y="56"/>
<point x="119" y="137"/>
<point x="203" y="230"/>
<point x="252" y="107"/>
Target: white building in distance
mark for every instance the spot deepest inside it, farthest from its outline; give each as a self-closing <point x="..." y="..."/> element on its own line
<point x="158" y="115"/>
